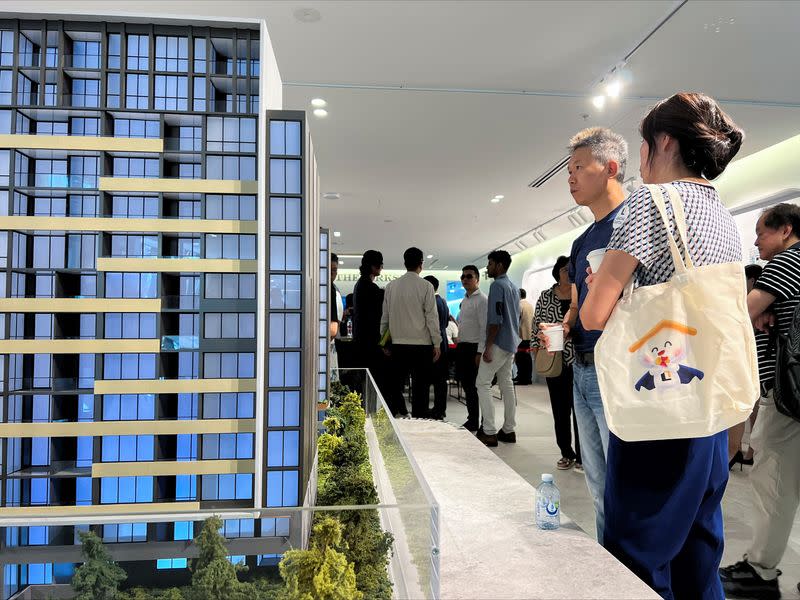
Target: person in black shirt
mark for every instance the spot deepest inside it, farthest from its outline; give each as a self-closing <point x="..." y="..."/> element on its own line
<point x="775" y="476"/>
<point x="440" y="366"/>
<point x="367" y="309"/>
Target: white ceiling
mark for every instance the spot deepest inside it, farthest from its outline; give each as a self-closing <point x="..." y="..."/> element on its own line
<point x="419" y="167"/>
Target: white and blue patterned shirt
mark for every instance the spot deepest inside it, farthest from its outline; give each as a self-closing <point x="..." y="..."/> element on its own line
<point x="639" y="231"/>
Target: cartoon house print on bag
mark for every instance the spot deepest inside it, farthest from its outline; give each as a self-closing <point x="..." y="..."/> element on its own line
<point x="660" y="352"/>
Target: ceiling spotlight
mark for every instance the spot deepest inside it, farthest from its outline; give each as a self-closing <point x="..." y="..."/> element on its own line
<point x="495" y="200"/>
<point x="318" y="103"/>
<point x="430" y="255"/>
<point x="598" y="101"/>
<point x="320" y="112"/>
<point x="331" y="195"/>
<point x="337" y="234"/>
<point x="499" y="196"/>
<point x="614" y="88"/>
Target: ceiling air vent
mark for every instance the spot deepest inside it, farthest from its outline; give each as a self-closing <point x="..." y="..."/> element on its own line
<point x="550" y="173"/>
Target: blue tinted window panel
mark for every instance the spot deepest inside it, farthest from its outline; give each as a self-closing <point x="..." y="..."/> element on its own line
<point x="109" y="490"/>
<point x="277" y="137"/>
<point x="275" y="449"/>
<point x="244" y="486"/>
<point x="291" y="448"/>
<point x="127" y="489"/>
<point x="144" y="489"/>
<point x="293" y="138"/>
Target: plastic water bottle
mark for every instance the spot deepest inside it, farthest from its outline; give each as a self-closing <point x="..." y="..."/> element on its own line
<point x="548" y="504"/>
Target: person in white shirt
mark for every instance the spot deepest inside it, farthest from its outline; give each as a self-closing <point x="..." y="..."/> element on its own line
<point x="471" y="341"/>
<point x="411" y="318"/>
<point x="452" y="331"/>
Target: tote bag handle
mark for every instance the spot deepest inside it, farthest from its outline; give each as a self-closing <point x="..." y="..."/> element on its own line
<point x="681" y="264"/>
<point x="680" y="221"/>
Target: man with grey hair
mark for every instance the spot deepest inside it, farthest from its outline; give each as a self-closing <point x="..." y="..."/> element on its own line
<point x="596" y="171"/>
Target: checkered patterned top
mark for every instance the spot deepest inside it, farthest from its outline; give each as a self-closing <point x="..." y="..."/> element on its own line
<point x="639" y="231"/>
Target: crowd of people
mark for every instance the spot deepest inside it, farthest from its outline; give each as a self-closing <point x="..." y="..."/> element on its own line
<point x="657" y="503"/>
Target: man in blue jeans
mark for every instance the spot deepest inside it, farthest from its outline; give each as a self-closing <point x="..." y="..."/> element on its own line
<point x="596" y="171"/>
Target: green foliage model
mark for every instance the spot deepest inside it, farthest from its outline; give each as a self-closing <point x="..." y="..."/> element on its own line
<point x="213" y="575"/>
<point x="98" y="578"/>
<point x="321" y="572"/>
<point x="345" y="478"/>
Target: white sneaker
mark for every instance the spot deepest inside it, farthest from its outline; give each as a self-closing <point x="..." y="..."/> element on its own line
<point x="579" y="468"/>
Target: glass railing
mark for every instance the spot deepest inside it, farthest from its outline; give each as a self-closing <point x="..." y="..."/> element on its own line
<point x="58" y="180"/>
<point x="181" y="302"/>
<point x="180" y="342"/>
<point x="59" y="384"/>
<point x="414" y="517"/>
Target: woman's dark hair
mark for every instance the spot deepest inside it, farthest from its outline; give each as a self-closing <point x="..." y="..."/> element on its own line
<point x="781" y="215"/>
<point x="371" y="258"/>
<point x="560" y="262"/>
<point x="707" y="137"/>
<point x="753" y="271"/>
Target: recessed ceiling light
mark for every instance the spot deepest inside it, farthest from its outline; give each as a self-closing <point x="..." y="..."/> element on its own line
<point x="318" y="103"/>
<point x="495" y="200"/>
<point x="598" y="101"/>
<point x="307" y="15"/>
<point x="430" y="255"/>
<point x="320" y="112"/>
<point x="499" y="196"/>
<point x="331" y="195"/>
<point x="337" y="234"/>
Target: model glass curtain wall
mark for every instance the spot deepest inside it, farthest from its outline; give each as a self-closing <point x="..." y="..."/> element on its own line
<point x="129" y="309"/>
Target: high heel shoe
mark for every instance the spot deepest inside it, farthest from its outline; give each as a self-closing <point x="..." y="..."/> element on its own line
<point x="739" y="458"/>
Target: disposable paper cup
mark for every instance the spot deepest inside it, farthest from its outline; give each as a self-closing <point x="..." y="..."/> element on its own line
<point x="555" y="337"/>
<point x="595" y="257"/>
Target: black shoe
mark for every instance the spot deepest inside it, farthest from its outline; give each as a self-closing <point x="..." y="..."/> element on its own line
<point x="470" y="427"/>
<point x="518" y="382"/>
<point x="741" y="580"/>
<point x="508" y="438"/>
<point x="488" y="440"/>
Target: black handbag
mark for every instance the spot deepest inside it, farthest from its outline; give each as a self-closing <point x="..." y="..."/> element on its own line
<point x="787" y="376"/>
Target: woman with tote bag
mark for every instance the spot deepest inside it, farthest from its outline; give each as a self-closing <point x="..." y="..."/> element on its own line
<point x="662" y="496"/>
<point x="556" y="368"/>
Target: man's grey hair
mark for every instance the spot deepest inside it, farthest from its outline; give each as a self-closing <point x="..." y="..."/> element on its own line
<point x="605" y="146"/>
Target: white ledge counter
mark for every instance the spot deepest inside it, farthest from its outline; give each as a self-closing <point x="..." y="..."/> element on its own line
<point x="490" y="545"/>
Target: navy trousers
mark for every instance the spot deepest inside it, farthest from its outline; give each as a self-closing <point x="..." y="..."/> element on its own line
<point x="663" y="512"/>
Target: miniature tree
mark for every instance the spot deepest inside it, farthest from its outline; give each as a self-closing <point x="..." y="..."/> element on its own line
<point x="98" y="578"/>
<point x="213" y="575"/>
<point x="321" y="572"/>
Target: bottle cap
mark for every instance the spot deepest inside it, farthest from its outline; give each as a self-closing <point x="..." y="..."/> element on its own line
<point x="547" y="478"/>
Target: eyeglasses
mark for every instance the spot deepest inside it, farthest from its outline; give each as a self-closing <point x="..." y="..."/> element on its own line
<point x="467" y="276"/>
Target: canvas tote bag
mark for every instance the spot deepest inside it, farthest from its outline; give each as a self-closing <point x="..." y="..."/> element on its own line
<point x="678" y="359"/>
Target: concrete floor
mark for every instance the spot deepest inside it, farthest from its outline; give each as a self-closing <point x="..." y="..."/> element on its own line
<point x="536" y="452"/>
